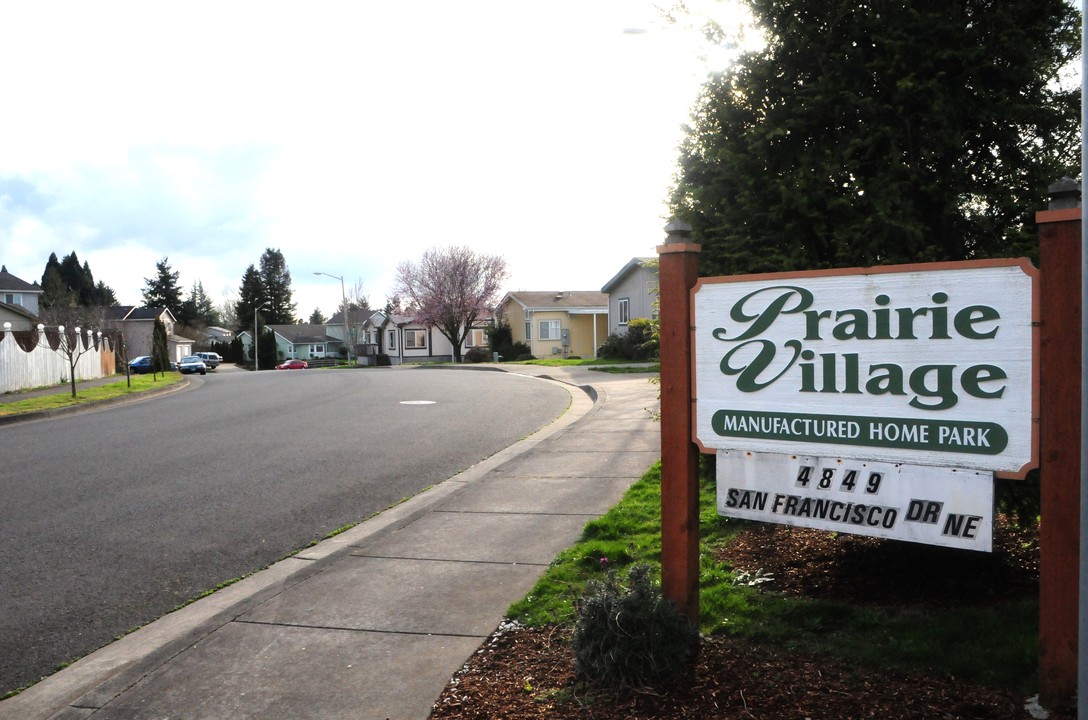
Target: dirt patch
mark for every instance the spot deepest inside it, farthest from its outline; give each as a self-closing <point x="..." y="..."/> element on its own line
<point x="528" y="673"/>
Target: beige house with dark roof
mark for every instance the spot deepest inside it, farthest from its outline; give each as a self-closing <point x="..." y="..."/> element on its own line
<point x="557" y="323"/>
<point x="138" y="325"/>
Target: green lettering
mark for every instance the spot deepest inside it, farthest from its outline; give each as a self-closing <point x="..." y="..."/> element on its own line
<point x="812" y="323"/>
<point x="854" y="327"/>
<point x="966" y="319"/>
<point x="889" y="383"/>
<point x="748" y="376"/>
<point x="977" y="374"/>
<point x="766" y="317"/>
<point x="944" y="389"/>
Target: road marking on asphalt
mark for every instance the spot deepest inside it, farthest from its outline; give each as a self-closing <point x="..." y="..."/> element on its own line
<point x="417" y="402"/>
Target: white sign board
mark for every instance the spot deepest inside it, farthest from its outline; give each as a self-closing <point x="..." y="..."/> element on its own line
<point x="919" y="364"/>
<point x="936" y="506"/>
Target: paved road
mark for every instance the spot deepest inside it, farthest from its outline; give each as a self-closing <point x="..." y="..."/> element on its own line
<point x="110" y="519"/>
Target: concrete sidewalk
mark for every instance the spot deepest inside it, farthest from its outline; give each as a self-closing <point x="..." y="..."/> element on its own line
<point x="374" y="622"/>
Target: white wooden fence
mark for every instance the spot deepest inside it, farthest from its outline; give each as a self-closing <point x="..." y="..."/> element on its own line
<point x="44" y="366"/>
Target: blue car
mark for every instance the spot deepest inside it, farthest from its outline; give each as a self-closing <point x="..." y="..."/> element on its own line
<point x="142" y="365"/>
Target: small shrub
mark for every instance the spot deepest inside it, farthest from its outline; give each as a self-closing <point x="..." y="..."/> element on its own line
<point x="639" y="343"/>
<point x="382" y="360"/>
<point x="477" y="355"/>
<point x="630" y="638"/>
<point x="526" y="356"/>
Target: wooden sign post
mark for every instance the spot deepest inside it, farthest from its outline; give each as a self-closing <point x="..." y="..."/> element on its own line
<point x="677" y="273"/>
<point x="1060" y="437"/>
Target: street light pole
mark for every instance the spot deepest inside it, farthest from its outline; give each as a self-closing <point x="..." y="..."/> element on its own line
<point x="344" y="307"/>
<point x="256" y="355"/>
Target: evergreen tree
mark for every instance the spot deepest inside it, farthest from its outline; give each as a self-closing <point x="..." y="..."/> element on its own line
<point x="316" y="318"/>
<point x="276" y="279"/>
<point x="198" y="310"/>
<point x="160" y="348"/>
<point x="104" y="295"/>
<point x="54" y="290"/>
<point x="87" y="294"/>
<point x="163" y="291"/>
<point x="75" y="279"/>
<point x="251" y="295"/>
<point x="879" y="133"/>
<point x="66" y="283"/>
<point x="267" y="346"/>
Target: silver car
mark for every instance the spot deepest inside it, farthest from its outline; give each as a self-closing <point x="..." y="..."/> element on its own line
<point x="192" y="364"/>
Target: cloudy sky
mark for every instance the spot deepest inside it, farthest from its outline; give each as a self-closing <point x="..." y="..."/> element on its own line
<point x="351" y="136"/>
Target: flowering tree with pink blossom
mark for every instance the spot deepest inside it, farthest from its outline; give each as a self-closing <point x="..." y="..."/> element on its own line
<point x="450" y="289"/>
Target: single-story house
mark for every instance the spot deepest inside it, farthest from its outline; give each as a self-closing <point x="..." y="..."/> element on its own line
<point x="359" y="329"/>
<point x="216" y="334"/>
<point x="138" y="326"/>
<point x="304" y="341"/>
<point x="406" y="340"/>
<point x="631" y="293"/>
<point x="560" y="323"/>
<point x="19" y="301"/>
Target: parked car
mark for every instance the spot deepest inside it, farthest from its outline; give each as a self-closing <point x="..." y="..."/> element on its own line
<point x="211" y="360"/>
<point x="292" y="365"/>
<point x="192" y="364"/>
<point x="142" y="364"/>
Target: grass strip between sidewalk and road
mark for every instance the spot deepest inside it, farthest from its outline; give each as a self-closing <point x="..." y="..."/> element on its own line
<point x="995" y="644"/>
<point x="140" y="384"/>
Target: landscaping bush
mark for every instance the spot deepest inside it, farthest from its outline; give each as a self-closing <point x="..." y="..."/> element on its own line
<point x="638" y="344"/>
<point x="630" y="638"/>
<point x="525" y="356"/>
<point x="382" y="360"/>
<point x="501" y="340"/>
<point x="477" y="355"/>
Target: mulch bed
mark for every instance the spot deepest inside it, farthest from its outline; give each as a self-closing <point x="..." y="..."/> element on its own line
<point x="528" y="673"/>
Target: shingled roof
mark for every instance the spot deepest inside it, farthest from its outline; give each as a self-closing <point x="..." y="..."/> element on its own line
<point x="560" y="299"/>
<point x="10" y="282"/>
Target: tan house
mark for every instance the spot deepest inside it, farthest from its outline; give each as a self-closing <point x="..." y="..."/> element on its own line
<point x="557" y="323"/>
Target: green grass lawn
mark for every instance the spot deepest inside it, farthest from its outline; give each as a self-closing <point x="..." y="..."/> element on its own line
<point x="623" y="369"/>
<point x="994" y="645"/>
<point x="569" y="362"/>
<point x="140" y="383"/>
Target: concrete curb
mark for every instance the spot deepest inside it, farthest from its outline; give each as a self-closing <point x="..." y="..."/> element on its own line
<point x="108" y="672"/>
<point x="92" y="405"/>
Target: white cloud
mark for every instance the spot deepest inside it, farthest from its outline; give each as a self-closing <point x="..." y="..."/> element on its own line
<point x="351" y="136"/>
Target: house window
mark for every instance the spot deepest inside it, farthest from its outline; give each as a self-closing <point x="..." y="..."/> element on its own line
<point x="624" y="310"/>
<point x="392" y="340"/>
<point x="528" y="330"/>
<point x="477" y="338"/>
<point x="415" y="339"/>
<point x="317" y="349"/>
<point x="549" y="329"/>
<point x="13" y="298"/>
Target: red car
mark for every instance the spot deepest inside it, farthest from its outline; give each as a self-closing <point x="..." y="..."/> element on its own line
<point x="292" y="365"/>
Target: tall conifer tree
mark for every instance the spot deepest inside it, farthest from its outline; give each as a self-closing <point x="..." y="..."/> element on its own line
<point x="276" y="279"/>
<point x="163" y="291"/>
<point x="882" y="132"/>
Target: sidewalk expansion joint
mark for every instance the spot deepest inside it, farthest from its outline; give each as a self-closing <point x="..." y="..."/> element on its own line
<point x="376" y="631"/>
